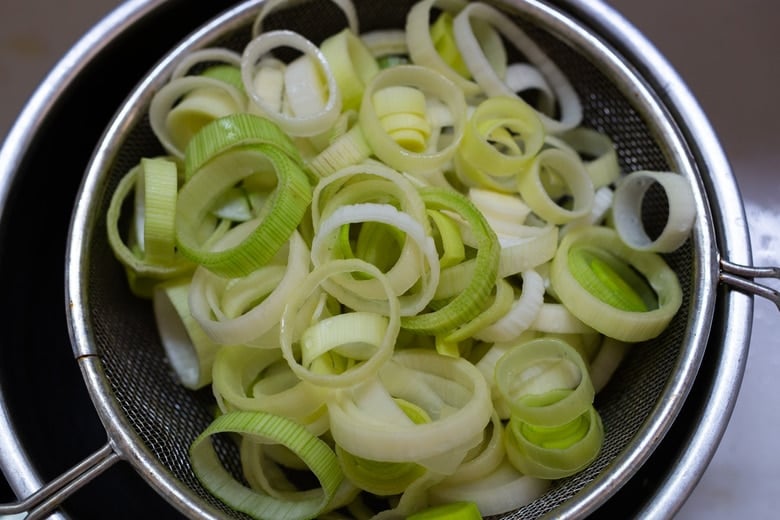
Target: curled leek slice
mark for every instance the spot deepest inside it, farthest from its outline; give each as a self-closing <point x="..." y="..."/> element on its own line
<point x="208" y="55"/>
<point x="517" y="126"/>
<point x="597" y="151"/>
<point x="521" y="314"/>
<point x="159" y="193"/>
<point x="188" y="348"/>
<point x="142" y="274"/>
<point x="417" y="263"/>
<point x="439" y="51"/>
<point x="347" y="7"/>
<point x="557" y="452"/>
<point x="385" y="43"/>
<point x="310" y="124"/>
<point x="186" y="104"/>
<point x="358" y="183"/>
<point x="433" y="85"/>
<point x="352" y="64"/>
<point x="233" y="131"/>
<point x="378" y="477"/>
<point x="613" y="288"/>
<point x="504" y="489"/>
<point x="482" y="460"/>
<point x="451" y="391"/>
<point x="274" y="430"/>
<point x="239" y="311"/>
<point x="555" y="318"/>
<point x="346" y="150"/>
<point x="286" y="208"/>
<point x="489" y="79"/>
<point x="627" y="210"/>
<point x="545" y="382"/>
<point x="251" y="379"/>
<point x="569" y="168"/>
<point x="470" y="303"/>
<point x="346" y="375"/>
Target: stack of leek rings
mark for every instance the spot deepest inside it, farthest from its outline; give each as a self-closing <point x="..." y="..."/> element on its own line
<point x="395" y="273"/>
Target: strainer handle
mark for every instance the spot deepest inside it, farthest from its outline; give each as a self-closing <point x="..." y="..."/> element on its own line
<point x="741" y="278"/>
<point x="44" y="501"/>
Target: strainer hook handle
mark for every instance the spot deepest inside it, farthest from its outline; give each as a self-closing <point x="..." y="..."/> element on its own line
<point x="44" y="501"/>
<point x="741" y="278"/>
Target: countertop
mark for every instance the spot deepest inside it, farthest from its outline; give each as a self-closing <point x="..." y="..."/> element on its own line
<point x="726" y="52"/>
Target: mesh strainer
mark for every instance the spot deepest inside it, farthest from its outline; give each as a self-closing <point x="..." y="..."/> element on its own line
<point x="151" y="420"/>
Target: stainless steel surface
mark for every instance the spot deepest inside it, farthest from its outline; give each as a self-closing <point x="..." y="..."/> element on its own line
<point x="725" y="52"/>
<point x="732" y="251"/>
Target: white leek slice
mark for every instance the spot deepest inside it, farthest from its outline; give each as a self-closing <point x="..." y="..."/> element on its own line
<point x="519" y="254"/>
<point x="502" y="115"/>
<point x="482" y="460"/>
<point x="607" y="360"/>
<point x="275" y="430"/>
<point x="522" y="313"/>
<point x="303" y="88"/>
<point x="417" y="262"/>
<point x="347" y="8"/>
<point x="349" y="149"/>
<point x="557" y="319"/>
<point x="457" y="417"/>
<point x="352" y="64"/>
<point x="545" y="382"/>
<point x="385" y="42"/>
<point x="268" y="84"/>
<point x="354" y="335"/>
<point x="433" y="85"/>
<point x="241" y="382"/>
<point x="208" y="55"/>
<point x="184" y="105"/>
<point x="307" y="125"/>
<point x="602" y="205"/>
<point x="188" y="348"/>
<point x="504" y="212"/>
<point x="329" y="193"/>
<point x="597" y="150"/>
<point x="555" y="453"/>
<point x="490" y="81"/>
<point x="308" y="287"/>
<point x="524" y="77"/>
<point x="569" y="168"/>
<point x="505" y="489"/>
<point x="230" y="328"/>
<point x="423" y="51"/>
<point x="627" y="210"/>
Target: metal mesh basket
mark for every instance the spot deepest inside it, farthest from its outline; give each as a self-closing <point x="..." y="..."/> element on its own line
<point x="152" y="420"/>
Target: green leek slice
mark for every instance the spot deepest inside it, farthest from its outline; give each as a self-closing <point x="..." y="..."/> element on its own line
<point x="554" y="453"/>
<point x="470" y="303"/>
<point x="276" y="430"/>
<point x="287" y="207"/>
<point x="610" y="320"/>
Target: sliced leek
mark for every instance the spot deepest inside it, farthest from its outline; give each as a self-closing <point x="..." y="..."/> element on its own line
<point x="580" y="291"/>
<point x="392" y="270"/>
